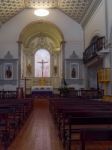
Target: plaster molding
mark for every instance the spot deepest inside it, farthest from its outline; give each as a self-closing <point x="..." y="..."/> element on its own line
<point x="94" y="5"/>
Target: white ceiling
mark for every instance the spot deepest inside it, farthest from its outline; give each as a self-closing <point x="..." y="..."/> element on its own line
<point x="73" y="8"/>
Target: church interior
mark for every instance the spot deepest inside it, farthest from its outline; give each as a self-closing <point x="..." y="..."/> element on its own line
<point x="55" y="75"/>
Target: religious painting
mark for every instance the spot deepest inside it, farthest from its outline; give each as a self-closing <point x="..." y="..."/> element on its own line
<point x="74" y="71"/>
<point x="8" y="71"/>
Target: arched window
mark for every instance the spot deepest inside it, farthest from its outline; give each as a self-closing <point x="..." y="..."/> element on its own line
<point x="42" y="63"/>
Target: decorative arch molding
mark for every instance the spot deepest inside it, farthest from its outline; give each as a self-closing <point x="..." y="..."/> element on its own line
<point x="43" y="28"/>
<point x="42" y="42"/>
<point x="41" y="35"/>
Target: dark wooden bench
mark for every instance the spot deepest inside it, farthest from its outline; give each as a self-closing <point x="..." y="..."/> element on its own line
<point x="71" y="114"/>
<point x="83" y="93"/>
<point x="13" y="114"/>
<point x="8" y="94"/>
<point x="95" y="134"/>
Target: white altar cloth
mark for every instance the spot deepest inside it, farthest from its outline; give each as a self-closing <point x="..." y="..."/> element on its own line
<point x="42" y="88"/>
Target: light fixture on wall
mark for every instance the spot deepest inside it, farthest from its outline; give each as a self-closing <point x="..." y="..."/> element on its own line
<point x="41" y="12"/>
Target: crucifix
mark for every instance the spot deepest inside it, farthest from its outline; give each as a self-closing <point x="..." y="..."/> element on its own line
<point x="42" y="62"/>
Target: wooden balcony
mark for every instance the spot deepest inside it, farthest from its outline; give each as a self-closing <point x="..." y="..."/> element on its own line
<point x="104" y="75"/>
<point x="91" y="52"/>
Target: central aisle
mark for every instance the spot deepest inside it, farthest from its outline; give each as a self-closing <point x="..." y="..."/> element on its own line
<point x="39" y="131"/>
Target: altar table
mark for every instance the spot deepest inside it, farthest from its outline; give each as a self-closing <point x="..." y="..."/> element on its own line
<point x="42" y="90"/>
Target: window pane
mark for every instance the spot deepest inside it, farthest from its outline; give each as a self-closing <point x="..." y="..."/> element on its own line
<point x="42" y="63"/>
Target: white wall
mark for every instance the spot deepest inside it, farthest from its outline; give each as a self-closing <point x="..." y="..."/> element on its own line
<point x="109" y="13"/>
<point x="100" y="23"/>
<point x="10" y="31"/>
<point x="96" y="24"/>
<point x="76" y="46"/>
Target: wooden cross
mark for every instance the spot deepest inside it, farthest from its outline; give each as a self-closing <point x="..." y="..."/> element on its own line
<point x="42" y="62"/>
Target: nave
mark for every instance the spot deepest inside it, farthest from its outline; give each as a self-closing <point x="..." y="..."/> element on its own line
<point x="39" y="132"/>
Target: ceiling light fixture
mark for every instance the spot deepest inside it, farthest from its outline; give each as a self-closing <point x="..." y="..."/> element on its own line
<point x="41" y="12"/>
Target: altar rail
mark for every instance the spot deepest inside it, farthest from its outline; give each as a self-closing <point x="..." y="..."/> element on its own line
<point x="83" y="93"/>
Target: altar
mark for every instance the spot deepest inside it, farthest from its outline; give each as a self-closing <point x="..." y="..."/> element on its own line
<point x="42" y="90"/>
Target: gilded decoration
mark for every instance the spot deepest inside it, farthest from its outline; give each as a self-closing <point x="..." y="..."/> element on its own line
<point x="41" y="34"/>
<point x="39" y="29"/>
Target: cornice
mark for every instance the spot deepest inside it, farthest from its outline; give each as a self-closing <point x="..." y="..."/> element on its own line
<point x="94" y="5"/>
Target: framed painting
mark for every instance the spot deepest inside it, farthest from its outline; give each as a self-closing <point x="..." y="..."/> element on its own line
<point x="74" y="70"/>
<point x="8" y="71"/>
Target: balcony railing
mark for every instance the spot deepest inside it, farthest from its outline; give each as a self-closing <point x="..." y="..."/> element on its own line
<point x="91" y="51"/>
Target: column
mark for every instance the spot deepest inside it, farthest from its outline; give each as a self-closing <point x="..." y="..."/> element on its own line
<point x="110" y="49"/>
<point x="63" y="58"/>
<point x="56" y="64"/>
<point x="19" y="62"/>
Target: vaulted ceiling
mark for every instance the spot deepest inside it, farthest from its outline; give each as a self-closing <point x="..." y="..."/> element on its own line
<point x="73" y="8"/>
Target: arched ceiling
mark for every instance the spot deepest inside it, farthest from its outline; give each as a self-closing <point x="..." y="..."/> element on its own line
<point x="41" y="29"/>
<point x="73" y="8"/>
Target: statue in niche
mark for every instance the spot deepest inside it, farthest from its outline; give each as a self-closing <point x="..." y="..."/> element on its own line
<point x="74" y="70"/>
<point x="29" y="69"/>
<point x="55" y="70"/>
<point x="8" y="68"/>
<point x="8" y="72"/>
<point x="73" y="73"/>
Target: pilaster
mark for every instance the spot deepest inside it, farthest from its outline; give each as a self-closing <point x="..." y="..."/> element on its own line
<point x="63" y="43"/>
<point x="19" y="61"/>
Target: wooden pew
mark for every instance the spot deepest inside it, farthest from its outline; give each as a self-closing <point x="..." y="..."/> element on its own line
<point x="13" y="114"/>
<point x="95" y="134"/>
<point x="75" y="124"/>
<point x="90" y="93"/>
<point x="8" y="94"/>
<point x="69" y="113"/>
